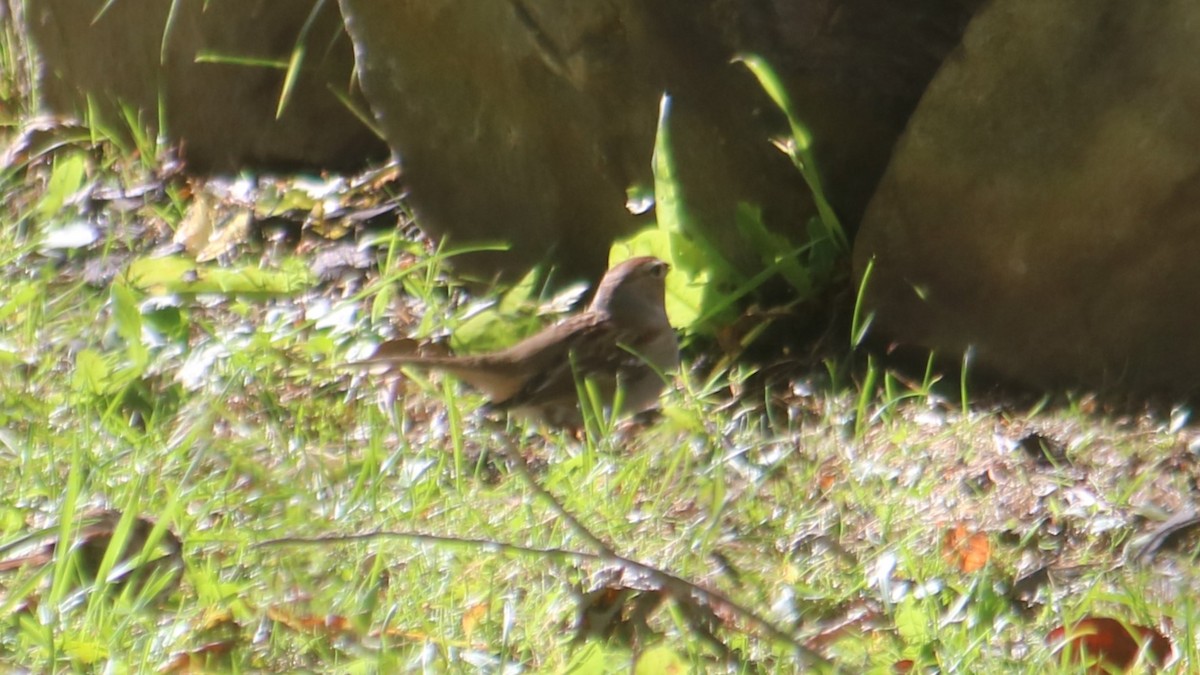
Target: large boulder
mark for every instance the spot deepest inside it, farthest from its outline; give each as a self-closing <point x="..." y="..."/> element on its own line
<point x="527" y="121"/>
<point x="99" y="57"/>
<point x="1043" y="205"/>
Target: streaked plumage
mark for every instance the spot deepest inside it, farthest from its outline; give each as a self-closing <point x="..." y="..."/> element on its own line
<point x="622" y="337"/>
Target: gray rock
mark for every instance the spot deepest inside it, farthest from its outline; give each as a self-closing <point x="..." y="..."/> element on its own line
<point x="527" y="120"/>
<point x="225" y="115"/>
<point x="1042" y="206"/>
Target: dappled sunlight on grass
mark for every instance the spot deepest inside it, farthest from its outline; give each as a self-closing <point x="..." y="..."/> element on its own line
<point x="767" y="517"/>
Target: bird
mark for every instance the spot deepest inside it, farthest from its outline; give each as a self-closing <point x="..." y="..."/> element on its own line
<point x="622" y="340"/>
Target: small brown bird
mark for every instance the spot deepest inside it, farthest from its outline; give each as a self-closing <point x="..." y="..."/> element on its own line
<point x="622" y="340"/>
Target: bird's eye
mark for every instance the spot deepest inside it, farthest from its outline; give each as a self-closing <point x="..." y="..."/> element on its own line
<point x="659" y="270"/>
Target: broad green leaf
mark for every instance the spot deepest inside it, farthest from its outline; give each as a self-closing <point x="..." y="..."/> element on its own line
<point x="523" y="294"/>
<point x="491" y="330"/>
<point x="690" y="283"/>
<point x="175" y="274"/>
<point x="66" y="178"/>
<point x="668" y="205"/>
<point x="128" y="318"/>
<point x="21" y="297"/>
<point x="775" y="250"/>
<point x="912" y="623"/>
<point x="86" y="652"/>
<point x="92" y="372"/>
<point x="126" y="312"/>
<point x="661" y="660"/>
<point x="593" y="659"/>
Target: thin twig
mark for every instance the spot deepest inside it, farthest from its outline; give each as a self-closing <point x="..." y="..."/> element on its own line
<point x="557" y="554"/>
<point x="677" y="586"/>
<point x="574" y="523"/>
<point x="674" y="585"/>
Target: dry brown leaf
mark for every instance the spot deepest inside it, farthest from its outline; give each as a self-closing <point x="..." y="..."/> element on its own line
<point x="225" y="239"/>
<point x="472" y="617"/>
<point x="204" y="659"/>
<point x="330" y="625"/>
<point x="968" y="551"/>
<point x="197" y="224"/>
<point x="1110" y="643"/>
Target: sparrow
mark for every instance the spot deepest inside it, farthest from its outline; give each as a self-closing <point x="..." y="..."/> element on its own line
<point x="623" y="340"/>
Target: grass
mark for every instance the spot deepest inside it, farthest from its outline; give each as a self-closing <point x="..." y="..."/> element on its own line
<point x="882" y="526"/>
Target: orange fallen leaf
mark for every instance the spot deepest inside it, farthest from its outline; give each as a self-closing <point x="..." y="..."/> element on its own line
<point x="331" y="624"/>
<point x="472" y="617"/>
<point x="828" y="476"/>
<point x="969" y="552"/>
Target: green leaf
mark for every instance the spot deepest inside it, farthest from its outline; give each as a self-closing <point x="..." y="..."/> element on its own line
<point x="690" y="285"/>
<point x="661" y="659"/>
<point x="593" y="659"/>
<point x="688" y="250"/>
<point x="128" y="318"/>
<point x="92" y="372"/>
<point x="668" y="205"/>
<point x="21" y="296"/>
<point x="800" y="148"/>
<point x="66" y="178"/>
<point x="169" y="322"/>
<point x="775" y="250"/>
<point x="913" y="625"/>
<point x="522" y="295"/>
<point x="175" y="274"/>
<point x="290" y="79"/>
<point x="490" y="330"/>
<point x="276" y="199"/>
<point x="860" y="323"/>
<point x="775" y="88"/>
<point x="87" y="652"/>
<point x="296" y="62"/>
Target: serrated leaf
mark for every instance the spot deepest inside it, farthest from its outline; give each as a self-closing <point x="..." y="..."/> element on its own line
<point x="775" y="250"/>
<point x="20" y="297"/>
<point x="912" y="623"/>
<point x="92" y="372"/>
<point x="128" y="317"/>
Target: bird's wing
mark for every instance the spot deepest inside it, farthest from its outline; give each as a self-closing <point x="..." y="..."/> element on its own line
<point x="505" y="374"/>
<point x="593" y="350"/>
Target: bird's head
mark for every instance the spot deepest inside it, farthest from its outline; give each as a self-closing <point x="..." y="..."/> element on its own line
<point x="634" y="288"/>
